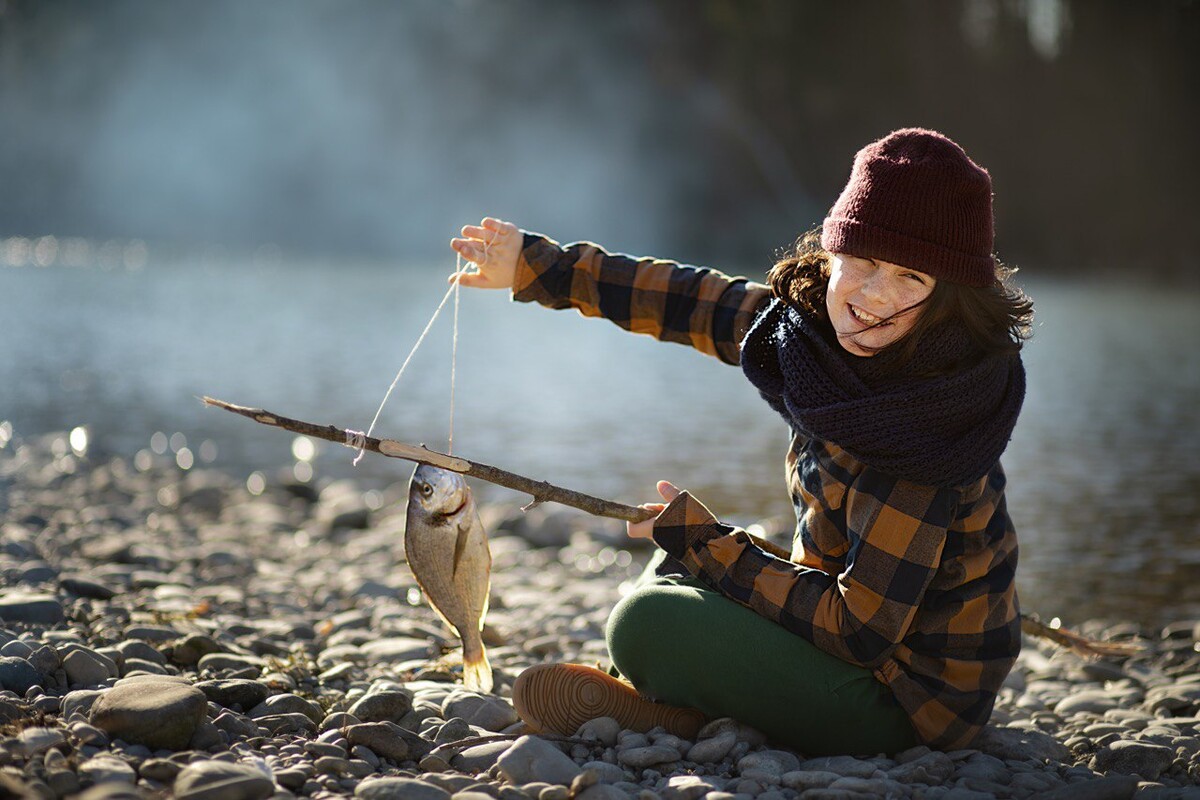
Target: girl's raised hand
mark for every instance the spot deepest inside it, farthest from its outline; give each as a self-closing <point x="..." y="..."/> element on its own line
<point x="493" y="246"/>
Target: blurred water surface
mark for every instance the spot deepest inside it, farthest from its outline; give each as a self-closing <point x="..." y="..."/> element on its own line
<point x="1104" y="466"/>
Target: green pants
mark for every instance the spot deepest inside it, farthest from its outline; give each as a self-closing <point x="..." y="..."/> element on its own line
<point x="684" y="644"/>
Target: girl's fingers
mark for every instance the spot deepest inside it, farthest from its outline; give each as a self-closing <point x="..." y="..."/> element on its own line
<point x="668" y="490"/>
<point x="482" y="234"/>
<point x="471" y="280"/>
<point x="468" y="250"/>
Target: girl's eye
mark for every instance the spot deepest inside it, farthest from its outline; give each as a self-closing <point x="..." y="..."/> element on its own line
<point x="915" y="277"/>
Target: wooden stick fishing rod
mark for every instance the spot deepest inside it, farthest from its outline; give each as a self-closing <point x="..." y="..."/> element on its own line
<point x="542" y="492"/>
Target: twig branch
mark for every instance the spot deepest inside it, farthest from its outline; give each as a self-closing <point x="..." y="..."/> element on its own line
<point x="540" y="490"/>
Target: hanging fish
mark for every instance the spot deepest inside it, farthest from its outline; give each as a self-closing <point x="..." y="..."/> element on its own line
<point x="447" y="551"/>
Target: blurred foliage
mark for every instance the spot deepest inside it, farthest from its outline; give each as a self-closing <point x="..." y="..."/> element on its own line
<point x="1084" y="111"/>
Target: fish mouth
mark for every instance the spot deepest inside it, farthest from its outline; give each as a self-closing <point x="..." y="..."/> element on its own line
<point x="461" y="506"/>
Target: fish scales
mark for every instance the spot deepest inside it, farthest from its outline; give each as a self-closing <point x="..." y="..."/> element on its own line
<point x="447" y="551"/>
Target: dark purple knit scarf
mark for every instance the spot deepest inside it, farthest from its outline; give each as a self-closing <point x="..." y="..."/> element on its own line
<point x="943" y="431"/>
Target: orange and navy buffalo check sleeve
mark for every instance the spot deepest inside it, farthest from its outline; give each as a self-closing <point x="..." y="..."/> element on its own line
<point x="695" y="306"/>
<point x="896" y="532"/>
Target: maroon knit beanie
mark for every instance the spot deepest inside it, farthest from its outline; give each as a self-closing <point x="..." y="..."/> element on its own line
<point x="916" y="199"/>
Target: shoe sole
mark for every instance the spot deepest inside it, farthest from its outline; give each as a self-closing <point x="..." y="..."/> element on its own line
<point x="559" y="698"/>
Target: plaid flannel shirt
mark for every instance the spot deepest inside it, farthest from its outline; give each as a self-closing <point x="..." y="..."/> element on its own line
<point x="913" y="582"/>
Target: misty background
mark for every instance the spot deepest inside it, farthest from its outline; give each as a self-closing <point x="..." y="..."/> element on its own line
<point x="709" y="131"/>
<point x="253" y="200"/>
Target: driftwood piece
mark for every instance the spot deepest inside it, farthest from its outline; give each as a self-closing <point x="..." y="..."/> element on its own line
<point x="541" y="491"/>
<point x="545" y="492"/>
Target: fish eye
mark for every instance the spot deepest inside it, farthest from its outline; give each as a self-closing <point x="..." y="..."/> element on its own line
<point x="426" y="489"/>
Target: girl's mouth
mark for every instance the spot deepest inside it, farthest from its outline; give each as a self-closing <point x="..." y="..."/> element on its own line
<point x="867" y="319"/>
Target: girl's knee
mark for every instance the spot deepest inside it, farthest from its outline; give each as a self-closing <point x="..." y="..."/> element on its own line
<point x="644" y="624"/>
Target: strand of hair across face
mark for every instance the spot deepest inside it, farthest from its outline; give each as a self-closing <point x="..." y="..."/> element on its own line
<point x="459" y="270"/>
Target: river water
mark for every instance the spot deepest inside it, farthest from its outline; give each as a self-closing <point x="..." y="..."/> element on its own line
<point x="1104" y="466"/>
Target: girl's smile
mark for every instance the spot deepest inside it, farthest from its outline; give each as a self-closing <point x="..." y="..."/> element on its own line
<point x="873" y="303"/>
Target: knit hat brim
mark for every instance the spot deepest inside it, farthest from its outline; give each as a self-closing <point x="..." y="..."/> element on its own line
<point x="857" y="238"/>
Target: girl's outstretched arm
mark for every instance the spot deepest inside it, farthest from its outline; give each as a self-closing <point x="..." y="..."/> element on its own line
<point x="672" y="302"/>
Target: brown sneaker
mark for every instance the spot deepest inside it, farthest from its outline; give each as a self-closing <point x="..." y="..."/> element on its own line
<point x="558" y="698"/>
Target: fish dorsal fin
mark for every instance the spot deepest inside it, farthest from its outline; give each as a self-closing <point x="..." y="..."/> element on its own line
<point x="460" y="545"/>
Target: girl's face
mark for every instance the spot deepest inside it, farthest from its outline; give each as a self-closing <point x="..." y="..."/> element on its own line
<point x="871" y="302"/>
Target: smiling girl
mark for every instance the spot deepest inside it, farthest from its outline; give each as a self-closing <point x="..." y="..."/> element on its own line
<point x="889" y="342"/>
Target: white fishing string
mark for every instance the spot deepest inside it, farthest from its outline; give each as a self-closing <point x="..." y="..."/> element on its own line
<point x="459" y="269"/>
<point x="454" y="350"/>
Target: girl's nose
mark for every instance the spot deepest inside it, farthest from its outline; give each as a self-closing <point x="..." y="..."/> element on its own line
<point x="875" y="287"/>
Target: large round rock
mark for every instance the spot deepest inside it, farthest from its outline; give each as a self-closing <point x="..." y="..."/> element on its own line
<point x="158" y="714"/>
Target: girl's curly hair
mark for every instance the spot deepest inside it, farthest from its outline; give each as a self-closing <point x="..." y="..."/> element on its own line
<point x="998" y="318"/>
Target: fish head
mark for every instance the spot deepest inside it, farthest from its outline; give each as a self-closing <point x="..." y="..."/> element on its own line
<point x="438" y="492"/>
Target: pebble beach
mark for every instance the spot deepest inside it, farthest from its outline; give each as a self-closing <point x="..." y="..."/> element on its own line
<point x="177" y="633"/>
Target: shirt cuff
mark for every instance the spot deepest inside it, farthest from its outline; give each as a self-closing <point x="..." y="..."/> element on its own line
<point x="684" y="525"/>
<point x="537" y="253"/>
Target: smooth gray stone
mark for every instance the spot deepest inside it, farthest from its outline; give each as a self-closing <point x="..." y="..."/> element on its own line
<point x="689" y="787"/>
<point x="711" y="751"/>
<point x="399" y="789"/>
<point x="16" y="649"/>
<point x="231" y="692"/>
<point x="45" y="660"/>
<point x="220" y="780"/>
<point x="479" y="758"/>
<point x="35" y="609"/>
<point x="846" y="766"/>
<point x="775" y="762"/>
<point x="151" y="633"/>
<point x="603" y="729"/>
<point x="11" y="710"/>
<point x="18" y="675"/>
<point x="984" y="767"/>
<point x="532" y="759"/>
<point x="396" y="649"/>
<point x="159" y="769"/>
<point x="188" y="651"/>
<point x="82" y="587"/>
<point x="158" y="714"/>
<point x="236" y="725"/>
<point x="803" y="780"/>
<point x="79" y="701"/>
<point x="932" y="769"/>
<point x="960" y="793"/>
<point x="383" y="706"/>
<point x="106" y="767"/>
<point x="138" y="666"/>
<point x="287" y="704"/>
<point x="1133" y="758"/>
<point x="1120" y="787"/>
<point x="31" y="741"/>
<point x="279" y="724"/>
<point x="602" y="791"/>
<point x="388" y="740"/>
<point x="216" y="662"/>
<point x="85" y="668"/>
<point x="142" y="650"/>
<point x="1092" y="701"/>
<point x="1013" y="744"/>
<point x="642" y="757"/>
<point x="481" y="710"/>
<point x="606" y="772"/>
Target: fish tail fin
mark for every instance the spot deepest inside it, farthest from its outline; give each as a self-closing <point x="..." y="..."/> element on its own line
<point x="477" y="672"/>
